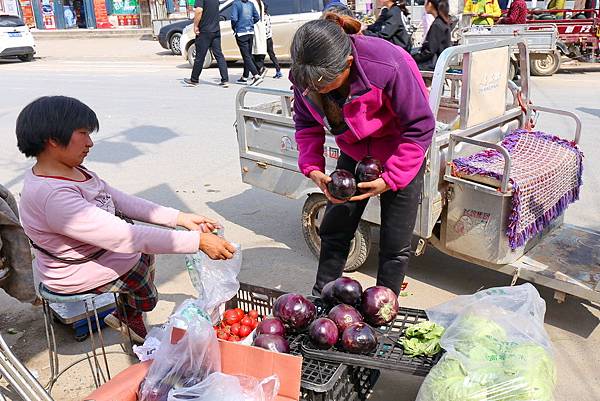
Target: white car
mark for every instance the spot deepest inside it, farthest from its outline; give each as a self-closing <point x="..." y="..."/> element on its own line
<point x="286" y="17"/>
<point x="16" y="41"/>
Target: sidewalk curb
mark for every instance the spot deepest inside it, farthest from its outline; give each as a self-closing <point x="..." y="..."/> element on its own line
<point x="136" y="33"/>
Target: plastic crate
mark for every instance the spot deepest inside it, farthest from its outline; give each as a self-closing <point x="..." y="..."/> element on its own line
<point x="389" y="353"/>
<point x="354" y="384"/>
<point x="321" y="380"/>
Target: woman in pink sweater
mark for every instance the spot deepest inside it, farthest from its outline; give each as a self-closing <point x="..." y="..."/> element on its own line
<point x="70" y="215"/>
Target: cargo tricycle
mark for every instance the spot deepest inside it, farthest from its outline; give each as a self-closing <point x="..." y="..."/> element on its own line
<point x="464" y="216"/>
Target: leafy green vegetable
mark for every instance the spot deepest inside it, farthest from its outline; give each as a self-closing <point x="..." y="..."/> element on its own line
<point x="422" y="339"/>
<point x="488" y="367"/>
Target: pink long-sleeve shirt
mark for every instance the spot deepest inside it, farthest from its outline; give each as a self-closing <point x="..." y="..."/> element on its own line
<point x="73" y="219"/>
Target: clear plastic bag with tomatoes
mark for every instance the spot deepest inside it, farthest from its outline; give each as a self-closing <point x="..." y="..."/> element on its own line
<point x="223" y="387"/>
<point x="189" y="352"/>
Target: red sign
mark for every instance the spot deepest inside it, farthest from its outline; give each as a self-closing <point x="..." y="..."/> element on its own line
<point x="28" y="17"/>
<point x="101" y="15"/>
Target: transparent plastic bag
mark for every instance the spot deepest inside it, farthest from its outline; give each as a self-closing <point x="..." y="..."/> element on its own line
<point x="497" y="348"/>
<point x="188" y="350"/>
<point x="223" y="387"/>
<point x="215" y="280"/>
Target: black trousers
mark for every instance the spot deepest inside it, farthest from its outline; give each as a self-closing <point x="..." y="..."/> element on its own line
<point x="398" y="216"/>
<point x="272" y="54"/>
<point x="212" y="41"/>
<point x="245" y="44"/>
<point x="259" y="62"/>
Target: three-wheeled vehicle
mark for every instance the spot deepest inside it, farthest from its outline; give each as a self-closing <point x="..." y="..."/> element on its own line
<point x="474" y="110"/>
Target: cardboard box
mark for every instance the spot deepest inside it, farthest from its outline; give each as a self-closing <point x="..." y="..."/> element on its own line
<point x="236" y="359"/>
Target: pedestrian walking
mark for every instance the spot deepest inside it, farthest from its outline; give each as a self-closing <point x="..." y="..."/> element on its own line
<point x="243" y="17"/>
<point x="391" y="24"/>
<point x="369" y="94"/>
<point x="438" y="36"/>
<point x="208" y="37"/>
<point x="270" y="50"/>
<point x="259" y="45"/>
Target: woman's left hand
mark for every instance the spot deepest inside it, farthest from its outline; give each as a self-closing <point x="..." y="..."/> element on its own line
<point x="371" y="188"/>
<point x="194" y="222"/>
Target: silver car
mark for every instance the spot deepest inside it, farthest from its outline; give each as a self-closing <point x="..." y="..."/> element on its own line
<point x="286" y="18"/>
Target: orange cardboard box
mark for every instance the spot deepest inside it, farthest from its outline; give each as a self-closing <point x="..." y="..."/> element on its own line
<point x="236" y="359"/>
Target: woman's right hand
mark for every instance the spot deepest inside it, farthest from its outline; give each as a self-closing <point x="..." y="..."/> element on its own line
<point x="321" y="179"/>
<point x="215" y="247"/>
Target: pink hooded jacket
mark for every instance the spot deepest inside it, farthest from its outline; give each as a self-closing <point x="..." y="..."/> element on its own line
<point x="387" y="113"/>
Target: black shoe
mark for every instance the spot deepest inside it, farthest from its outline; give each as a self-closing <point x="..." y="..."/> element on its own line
<point x="191" y="82"/>
<point x="242" y="80"/>
<point x="256" y="81"/>
<point x="224" y="84"/>
<point x="278" y="75"/>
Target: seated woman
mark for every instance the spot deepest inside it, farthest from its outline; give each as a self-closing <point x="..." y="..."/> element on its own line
<point x="69" y="213"/>
<point x="438" y="36"/>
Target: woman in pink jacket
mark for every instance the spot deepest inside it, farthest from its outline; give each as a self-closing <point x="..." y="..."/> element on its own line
<point x="70" y="215"/>
<point x="370" y="95"/>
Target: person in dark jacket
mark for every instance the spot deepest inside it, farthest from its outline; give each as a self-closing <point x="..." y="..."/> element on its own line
<point x="438" y="36"/>
<point x="243" y="17"/>
<point x="391" y="24"/>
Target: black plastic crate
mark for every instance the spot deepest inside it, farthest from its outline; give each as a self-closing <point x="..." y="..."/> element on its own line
<point x="389" y="353"/>
<point x="319" y="378"/>
<point x="354" y="384"/>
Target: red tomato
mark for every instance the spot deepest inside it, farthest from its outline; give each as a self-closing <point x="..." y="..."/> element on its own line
<point x="222" y="335"/>
<point x="254" y="323"/>
<point x="235" y="329"/>
<point x="234" y="338"/>
<point x="226" y="329"/>
<point x="253" y="314"/>
<point x="240" y="312"/>
<point x="231" y="316"/>
<point x="245" y="330"/>
<point x="246" y="321"/>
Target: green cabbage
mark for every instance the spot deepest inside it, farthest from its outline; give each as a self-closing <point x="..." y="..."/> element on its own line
<point x="488" y="367"/>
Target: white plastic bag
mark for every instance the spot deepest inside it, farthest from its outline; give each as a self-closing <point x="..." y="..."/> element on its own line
<point x="188" y="361"/>
<point x="497" y="348"/>
<point x="223" y="387"/>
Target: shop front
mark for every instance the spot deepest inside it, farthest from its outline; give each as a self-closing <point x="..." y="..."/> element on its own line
<point x="86" y="14"/>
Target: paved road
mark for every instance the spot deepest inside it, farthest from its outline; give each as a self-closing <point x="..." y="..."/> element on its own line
<point x="176" y="145"/>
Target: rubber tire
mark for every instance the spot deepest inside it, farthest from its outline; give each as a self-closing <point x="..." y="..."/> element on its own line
<point x="26" y="57"/>
<point x="361" y="245"/>
<point x="175" y="43"/>
<point x="512" y="71"/>
<point x="192" y="55"/>
<point x="546" y="66"/>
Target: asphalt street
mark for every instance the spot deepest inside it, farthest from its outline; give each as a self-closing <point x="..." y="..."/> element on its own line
<point x="177" y="146"/>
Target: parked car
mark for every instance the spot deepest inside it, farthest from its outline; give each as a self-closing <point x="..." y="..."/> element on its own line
<point x="286" y="18"/>
<point x="16" y="41"/>
<point x="169" y="35"/>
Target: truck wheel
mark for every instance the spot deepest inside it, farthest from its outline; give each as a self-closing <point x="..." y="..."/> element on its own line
<point x="312" y="215"/>
<point x="544" y="65"/>
<point x="192" y="56"/>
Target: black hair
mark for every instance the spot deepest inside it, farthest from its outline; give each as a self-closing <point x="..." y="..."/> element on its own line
<point x="320" y="50"/>
<point x="443" y="9"/>
<point x="339" y="9"/>
<point x="402" y="5"/>
<point x="52" y="117"/>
